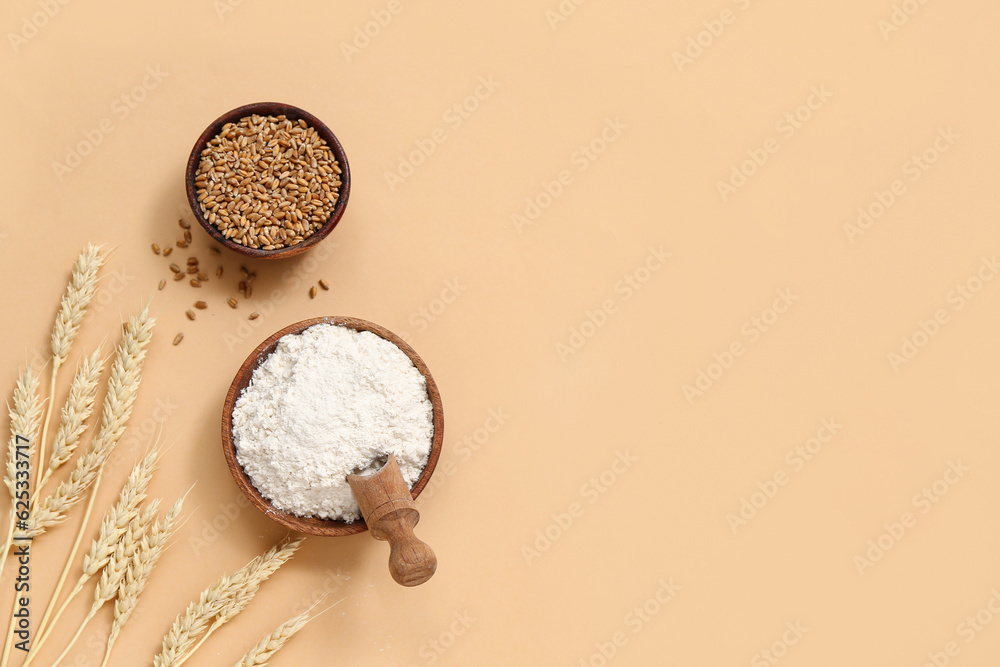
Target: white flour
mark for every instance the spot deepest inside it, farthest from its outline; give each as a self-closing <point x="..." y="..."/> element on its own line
<point x="326" y="402"/>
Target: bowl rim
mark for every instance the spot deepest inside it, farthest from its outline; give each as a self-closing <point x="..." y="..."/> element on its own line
<point x="313" y="525"/>
<point x="268" y="109"/>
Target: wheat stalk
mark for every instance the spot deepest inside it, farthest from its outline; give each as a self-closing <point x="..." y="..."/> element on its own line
<point x="151" y="547"/>
<point x="269" y="645"/>
<point x="123" y="384"/>
<point x="24" y="417"/>
<point x="116" y="523"/>
<point x="73" y="419"/>
<point x="244" y="591"/>
<point x="114" y="572"/>
<point x="80" y="290"/>
<point x="267" y="565"/>
<point x="126" y="372"/>
<point x="191" y="624"/>
<point x="216" y="601"/>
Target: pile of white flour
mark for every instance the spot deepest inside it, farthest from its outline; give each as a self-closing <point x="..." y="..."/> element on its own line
<point x="326" y="402"/>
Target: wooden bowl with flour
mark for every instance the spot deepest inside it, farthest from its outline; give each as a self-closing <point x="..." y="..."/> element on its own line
<point x="313" y="525"/>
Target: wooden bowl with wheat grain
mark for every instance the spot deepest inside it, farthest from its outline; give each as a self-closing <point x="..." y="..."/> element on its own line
<point x="268" y="109"/>
<point x="313" y="525"/>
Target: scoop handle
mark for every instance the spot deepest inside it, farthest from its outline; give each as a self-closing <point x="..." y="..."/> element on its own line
<point x="391" y="514"/>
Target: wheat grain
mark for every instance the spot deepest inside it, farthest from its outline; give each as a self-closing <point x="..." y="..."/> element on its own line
<point x="267" y="182"/>
<point x="75" y="412"/>
<point x="123" y="384"/>
<point x="179" y="642"/>
<point x="269" y="645"/>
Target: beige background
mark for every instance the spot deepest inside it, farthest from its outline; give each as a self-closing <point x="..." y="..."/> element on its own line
<point x="526" y="288"/>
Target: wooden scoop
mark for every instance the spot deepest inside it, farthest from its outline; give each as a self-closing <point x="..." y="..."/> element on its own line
<point x="388" y="509"/>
